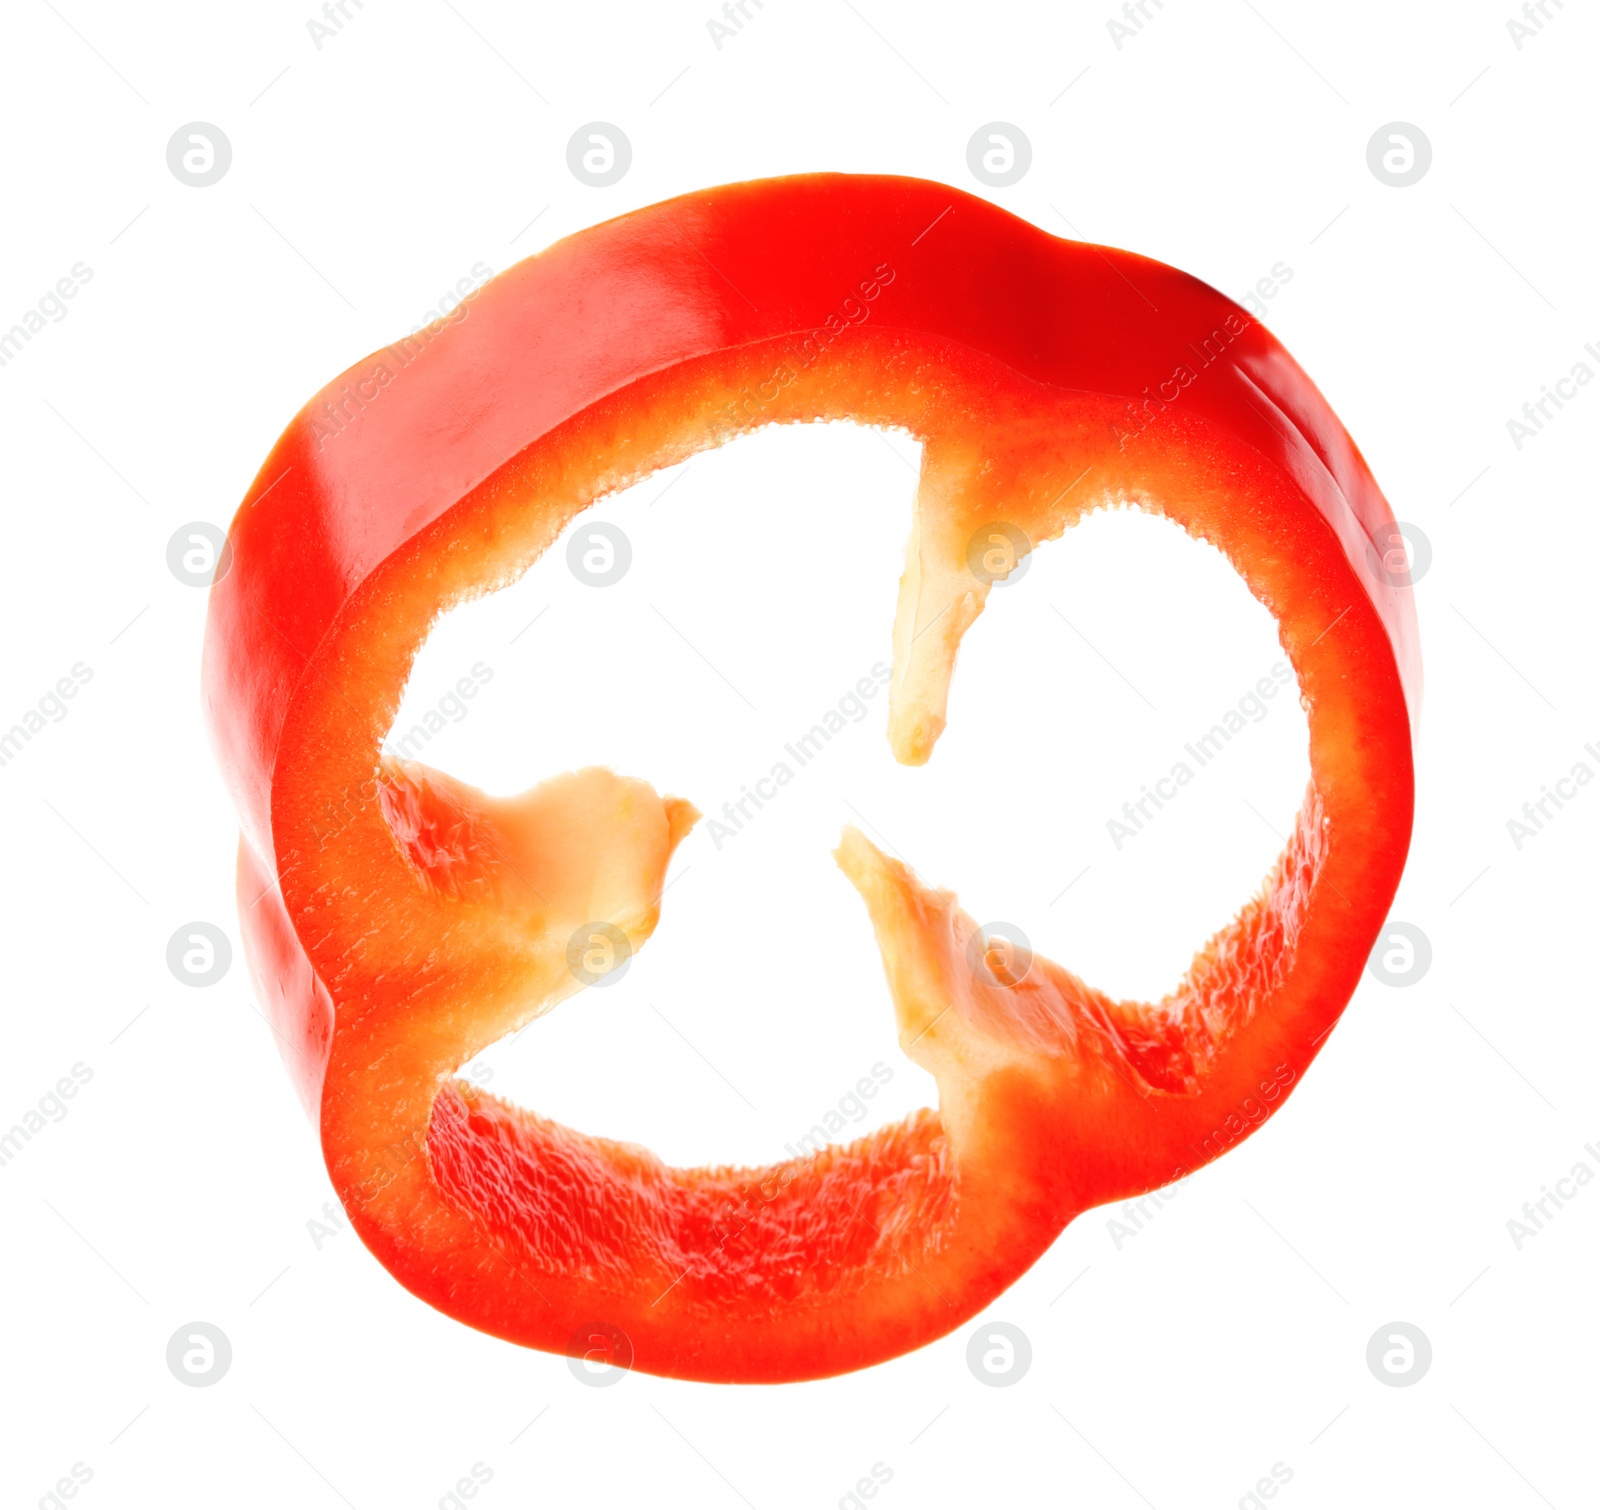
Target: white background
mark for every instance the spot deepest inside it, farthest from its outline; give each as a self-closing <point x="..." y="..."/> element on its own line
<point x="1174" y="1370"/>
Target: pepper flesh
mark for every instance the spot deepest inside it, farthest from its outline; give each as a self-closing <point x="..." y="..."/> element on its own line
<point x="398" y="922"/>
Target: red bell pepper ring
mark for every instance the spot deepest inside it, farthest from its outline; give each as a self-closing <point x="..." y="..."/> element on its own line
<point x="398" y="922"/>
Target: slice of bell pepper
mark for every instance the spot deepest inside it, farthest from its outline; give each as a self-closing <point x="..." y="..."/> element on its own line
<point x="398" y="922"/>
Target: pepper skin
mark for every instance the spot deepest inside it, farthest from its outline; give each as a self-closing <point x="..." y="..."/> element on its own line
<point x="398" y="922"/>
